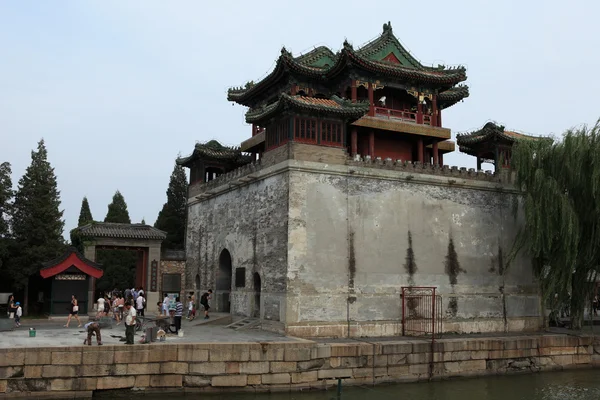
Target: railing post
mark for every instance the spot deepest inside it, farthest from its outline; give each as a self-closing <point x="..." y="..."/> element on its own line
<point x="403" y="312"/>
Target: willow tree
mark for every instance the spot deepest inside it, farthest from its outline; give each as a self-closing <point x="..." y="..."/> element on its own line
<point x="560" y="181"/>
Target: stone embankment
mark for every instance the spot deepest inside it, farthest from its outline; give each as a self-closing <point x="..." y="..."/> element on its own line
<point x="81" y="370"/>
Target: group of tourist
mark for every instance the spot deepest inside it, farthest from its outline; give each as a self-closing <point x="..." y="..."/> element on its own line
<point x="116" y="301"/>
<point x="14" y="310"/>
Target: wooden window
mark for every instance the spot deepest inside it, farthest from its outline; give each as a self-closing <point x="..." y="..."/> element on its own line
<point x="305" y="130"/>
<point x="331" y="133"/>
<point x="277" y="134"/>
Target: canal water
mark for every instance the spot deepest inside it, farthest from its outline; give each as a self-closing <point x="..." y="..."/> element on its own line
<point x="569" y="385"/>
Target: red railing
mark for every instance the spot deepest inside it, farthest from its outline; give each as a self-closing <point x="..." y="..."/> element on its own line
<point x="421" y="312"/>
<point x="403" y="115"/>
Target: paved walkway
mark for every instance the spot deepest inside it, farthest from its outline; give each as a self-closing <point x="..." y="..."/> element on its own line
<point x="53" y="334"/>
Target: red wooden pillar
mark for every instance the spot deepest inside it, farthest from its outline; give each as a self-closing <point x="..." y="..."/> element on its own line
<point x="372" y="144"/>
<point x="253" y="129"/>
<point x="440" y="117"/>
<point x="419" y="111"/>
<point x="371" y="104"/>
<point x="353" y="91"/>
<point x="354" y="142"/>
<point x="434" y="120"/>
<point x="434" y="149"/>
<point x="420" y="150"/>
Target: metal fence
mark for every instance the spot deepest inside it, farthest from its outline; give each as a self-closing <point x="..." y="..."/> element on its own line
<point x="421" y="312"/>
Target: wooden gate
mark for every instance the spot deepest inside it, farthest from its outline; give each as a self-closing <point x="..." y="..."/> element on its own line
<point x="421" y="312"/>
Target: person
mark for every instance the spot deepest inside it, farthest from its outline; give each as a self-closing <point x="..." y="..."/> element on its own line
<point x="141" y="291"/>
<point x="178" y="314"/>
<point x="166" y="302"/>
<point x="134" y="295"/>
<point x="116" y="311"/>
<point x="18" y="314"/>
<point x="93" y="328"/>
<point x="139" y="305"/>
<point x="204" y="301"/>
<point x="74" y="312"/>
<point x="10" y="306"/>
<point x="101" y="303"/>
<point x="191" y="308"/>
<point x="121" y="305"/>
<point x="129" y="323"/>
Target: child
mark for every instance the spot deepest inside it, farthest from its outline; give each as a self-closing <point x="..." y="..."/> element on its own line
<point x="18" y="314"/>
<point x="191" y="309"/>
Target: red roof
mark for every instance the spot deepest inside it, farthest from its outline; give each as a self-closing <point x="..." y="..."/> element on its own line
<point x="72" y="258"/>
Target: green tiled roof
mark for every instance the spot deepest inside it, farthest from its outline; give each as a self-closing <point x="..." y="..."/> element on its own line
<point x="214" y="150"/>
<point x="334" y="106"/>
<point x="491" y="132"/>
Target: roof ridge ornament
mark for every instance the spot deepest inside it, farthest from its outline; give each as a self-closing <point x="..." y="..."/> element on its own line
<point x="387" y="28"/>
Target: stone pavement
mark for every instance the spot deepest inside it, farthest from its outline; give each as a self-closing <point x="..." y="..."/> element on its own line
<point x="53" y="334"/>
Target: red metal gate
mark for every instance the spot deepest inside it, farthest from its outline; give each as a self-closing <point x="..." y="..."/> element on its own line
<point x="421" y="312"/>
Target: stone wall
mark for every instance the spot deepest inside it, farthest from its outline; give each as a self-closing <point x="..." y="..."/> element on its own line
<point x="250" y="223"/>
<point x="354" y="229"/>
<point x="172" y="265"/>
<point x="280" y="366"/>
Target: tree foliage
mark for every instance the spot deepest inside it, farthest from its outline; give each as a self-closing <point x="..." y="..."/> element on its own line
<point x="37" y="223"/>
<point x="117" y="210"/>
<point x="172" y="217"/>
<point x="560" y="181"/>
<point x="85" y="214"/>
<point x="6" y="197"/>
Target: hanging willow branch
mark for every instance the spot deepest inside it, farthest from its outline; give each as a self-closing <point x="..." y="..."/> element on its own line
<point x="560" y="181"/>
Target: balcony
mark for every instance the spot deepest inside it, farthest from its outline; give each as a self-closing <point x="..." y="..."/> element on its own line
<point x="402" y="115"/>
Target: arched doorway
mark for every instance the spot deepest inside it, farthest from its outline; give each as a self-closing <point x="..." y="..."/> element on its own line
<point x="257" y="289"/>
<point x="223" y="282"/>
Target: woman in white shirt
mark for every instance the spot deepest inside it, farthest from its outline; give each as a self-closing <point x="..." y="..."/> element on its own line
<point x="101" y="310"/>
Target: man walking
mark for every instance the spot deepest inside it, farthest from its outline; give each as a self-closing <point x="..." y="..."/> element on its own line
<point x="93" y="328"/>
<point x="129" y="323"/>
<point x="204" y="301"/>
<point x="178" y="314"/>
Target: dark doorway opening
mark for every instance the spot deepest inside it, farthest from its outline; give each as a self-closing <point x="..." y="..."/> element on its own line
<point x="257" y="289"/>
<point x="223" y="282"/>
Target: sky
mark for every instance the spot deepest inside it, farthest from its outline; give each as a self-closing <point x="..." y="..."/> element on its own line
<point x="118" y="89"/>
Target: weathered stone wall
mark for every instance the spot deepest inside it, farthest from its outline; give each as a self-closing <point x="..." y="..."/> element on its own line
<point x="174" y="267"/>
<point x="81" y="370"/>
<point x="353" y="229"/>
<point x="250" y="222"/>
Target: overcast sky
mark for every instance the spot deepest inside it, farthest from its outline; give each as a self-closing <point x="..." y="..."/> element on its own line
<point x="118" y="88"/>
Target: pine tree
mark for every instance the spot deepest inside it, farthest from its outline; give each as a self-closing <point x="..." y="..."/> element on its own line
<point x="37" y="219"/>
<point x="560" y="182"/>
<point x="172" y="217"/>
<point x="6" y="197"/>
<point x="85" y="215"/>
<point x="117" y="210"/>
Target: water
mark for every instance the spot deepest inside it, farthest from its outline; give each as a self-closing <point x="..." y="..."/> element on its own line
<point x="569" y="385"/>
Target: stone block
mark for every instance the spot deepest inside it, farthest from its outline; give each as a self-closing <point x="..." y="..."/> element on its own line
<point x="37" y="356"/>
<point x="174" y="368"/>
<point x="162" y="354"/>
<point x="460" y="355"/>
<point x="32" y="371"/>
<point x="115" y="382"/>
<point x="254" y="380"/>
<point x="421" y="347"/>
<point x="344" y="350"/>
<point x="418" y="358"/>
<point x="276" y="379"/>
<point x="11" y="372"/>
<point x="229" y="353"/>
<point x="348" y="362"/>
<point x="298" y="354"/>
<point x="61" y="384"/>
<point x="396" y="359"/>
<point x="232" y="368"/>
<point x="369" y="349"/>
<point x="256" y="367"/>
<point x="229" y="381"/>
<point x="283" y="366"/>
<point x="66" y="357"/>
<point x="369" y="372"/>
<point x="267" y="353"/>
<point x="143" y="369"/>
<point x="142" y="381"/>
<point x="557" y="351"/>
<point x="195" y="381"/>
<point x="3" y="385"/>
<point x="479" y="354"/>
<point x="459" y="367"/>
<point x="399" y="370"/>
<point x="582" y="359"/>
<point x="396" y="348"/>
<point x="415" y="369"/>
<point x="207" y="368"/>
<point x="303" y="377"/>
<point x="166" y="381"/>
<point x="321" y="351"/>
<point x="312" y="364"/>
<point x="98" y="357"/>
<point x="193" y="355"/>
<point x="12" y="357"/>
<point x="59" y="371"/>
<point x="87" y="384"/>
<point x="558" y="341"/>
<point x="95" y="370"/>
<point x="334" y="373"/>
<point x="381" y="360"/>
<point x="131" y="356"/>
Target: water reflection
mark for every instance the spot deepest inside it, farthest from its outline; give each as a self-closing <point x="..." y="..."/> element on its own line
<point x="570" y="385"/>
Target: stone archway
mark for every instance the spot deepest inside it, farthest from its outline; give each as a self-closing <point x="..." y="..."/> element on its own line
<point x="224" y="282"/>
